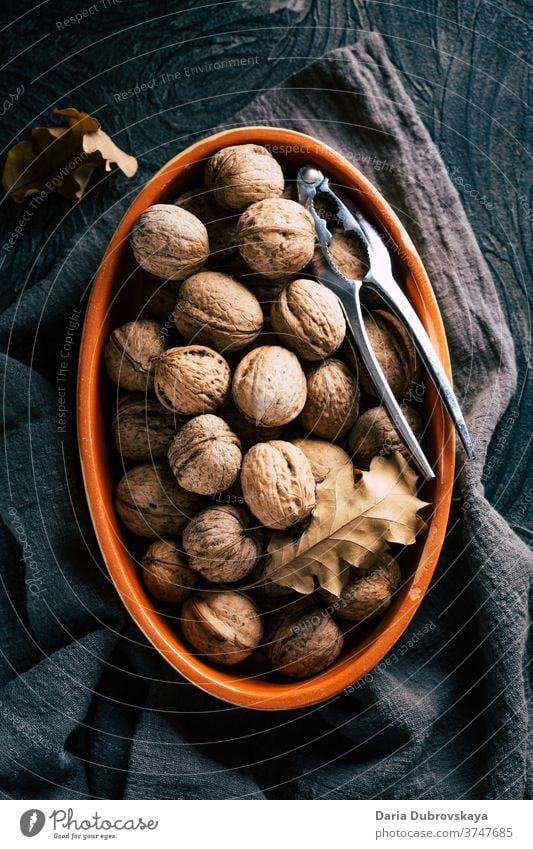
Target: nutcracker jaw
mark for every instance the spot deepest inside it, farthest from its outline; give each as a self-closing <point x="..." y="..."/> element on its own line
<point x="379" y="278"/>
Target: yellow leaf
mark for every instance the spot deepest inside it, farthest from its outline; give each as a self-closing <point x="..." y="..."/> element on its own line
<point x="351" y="525"/>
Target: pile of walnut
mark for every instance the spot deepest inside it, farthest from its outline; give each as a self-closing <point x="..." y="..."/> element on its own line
<point x="239" y="355"/>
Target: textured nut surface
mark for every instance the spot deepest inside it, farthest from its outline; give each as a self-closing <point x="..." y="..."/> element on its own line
<point x="346" y="252"/>
<point x="269" y="386"/>
<point x="309" y="319"/>
<point x="225" y="626"/>
<point x="151" y="503"/>
<point x="192" y="379"/>
<point x="277" y="483"/>
<point x="368" y="593"/>
<point x="276" y="236"/>
<point x="248" y="432"/>
<point x="332" y="403"/>
<point x="268" y="589"/>
<point x="221" y="226"/>
<point x="214" y="309"/>
<point x="395" y="353"/>
<point x="374" y="434"/>
<point x="130" y="352"/>
<point x="220" y="543"/>
<point x="165" y="572"/>
<point x="323" y="457"/>
<point x="142" y="428"/>
<point x="169" y="241"/>
<point x="302" y="640"/>
<point x="205" y="455"/>
<point x="243" y="174"/>
<point x="159" y="297"/>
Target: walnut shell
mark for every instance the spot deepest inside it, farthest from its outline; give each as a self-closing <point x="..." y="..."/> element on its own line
<point x="302" y="640"/>
<point x="374" y="434"/>
<point x="224" y="626"/>
<point x="346" y="252"/>
<point x="214" y="309"/>
<point x="151" y="503"/>
<point x="268" y="589"/>
<point x="276" y="236"/>
<point x="368" y="592"/>
<point x="278" y="484"/>
<point x="323" y="457"/>
<point x="332" y="404"/>
<point x="130" y="352"/>
<point x="221" y="227"/>
<point x="243" y="174"/>
<point x="220" y="544"/>
<point x="169" y="241"/>
<point x="205" y="455"/>
<point x="142" y="428"/>
<point x="165" y="572"/>
<point x="309" y="319"/>
<point x="395" y="352"/>
<point x="269" y="386"/>
<point x="159" y="297"/>
<point x="248" y="432"/>
<point x="192" y="380"/>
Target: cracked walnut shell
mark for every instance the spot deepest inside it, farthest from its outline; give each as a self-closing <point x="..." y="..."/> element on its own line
<point x="302" y="640"/>
<point x="309" y="319"/>
<point x="214" y="309"/>
<point x="278" y="484"/>
<point x="220" y="544"/>
<point x="205" y="455"/>
<point x="224" y="626"/>
<point x="243" y="174"/>
<point x="276" y="236"/>
<point x="151" y="503"/>
<point x="169" y="241"/>
<point x="192" y="380"/>
<point x="332" y="404"/>
<point x="368" y="592"/>
<point x="130" y="353"/>
<point x="165" y="572"/>
<point x="269" y="386"/>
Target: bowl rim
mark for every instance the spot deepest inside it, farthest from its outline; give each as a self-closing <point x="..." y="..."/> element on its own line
<point x="225" y="683"/>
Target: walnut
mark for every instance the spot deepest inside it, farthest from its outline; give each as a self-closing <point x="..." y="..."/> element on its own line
<point x="169" y="241"/>
<point x="220" y="226"/>
<point x="276" y="236"/>
<point x="309" y="319"/>
<point x="243" y="174"/>
<point x="368" y="592"/>
<point x="268" y="588"/>
<point x="151" y="503"/>
<point x="248" y="432"/>
<point x="278" y="484"/>
<point x="165" y="572"/>
<point x="224" y="626"/>
<point x="269" y="386"/>
<point x="214" y="309"/>
<point x="205" y="455"/>
<point x="302" y="640"/>
<point x="192" y="380"/>
<point x="142" y="428"/>
<point x="323" y="457"/>
<point x="332" y="403"/>
<point x="395" y="352"/>
<point x="130" y="352"/>
<point x="221" y="545"/>
<point x="374" y="434"/>
<point x="346" y="252"/>
<point x="159" y="297"/>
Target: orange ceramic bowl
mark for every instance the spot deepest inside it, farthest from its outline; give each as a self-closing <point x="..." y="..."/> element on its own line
<point x="114" y="299"/>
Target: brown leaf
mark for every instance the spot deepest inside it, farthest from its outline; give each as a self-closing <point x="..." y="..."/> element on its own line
<point x="62" y="158"/>
<point x="351" y="525"/>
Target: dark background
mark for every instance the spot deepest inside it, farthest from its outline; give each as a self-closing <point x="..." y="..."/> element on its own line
<point x="464" y="64"/>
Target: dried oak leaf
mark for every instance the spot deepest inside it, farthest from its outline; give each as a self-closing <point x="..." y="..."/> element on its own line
<point x="62" y="158"/>
<point x="351" y="525"/>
